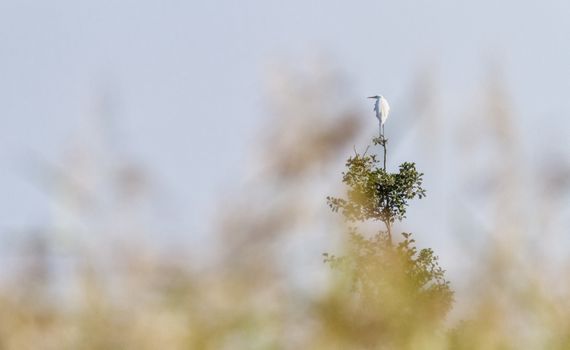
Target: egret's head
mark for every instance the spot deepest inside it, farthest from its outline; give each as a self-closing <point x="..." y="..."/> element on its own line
<point x="375" y="97"/>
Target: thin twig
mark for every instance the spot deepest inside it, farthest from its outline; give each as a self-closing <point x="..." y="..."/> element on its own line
<point x="389" y="228"/>
<point x="384" y="141"/>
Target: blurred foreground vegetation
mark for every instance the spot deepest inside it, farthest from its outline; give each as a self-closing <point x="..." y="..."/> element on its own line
<point x="381" y="293"/>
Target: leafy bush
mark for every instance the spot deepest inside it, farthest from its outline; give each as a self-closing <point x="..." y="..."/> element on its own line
<point x="396" y="289"/>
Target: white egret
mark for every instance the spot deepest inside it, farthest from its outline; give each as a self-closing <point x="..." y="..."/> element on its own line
<point x="382" y="109"/>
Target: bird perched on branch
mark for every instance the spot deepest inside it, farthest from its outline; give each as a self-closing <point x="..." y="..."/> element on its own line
<point x="382" y="109"/>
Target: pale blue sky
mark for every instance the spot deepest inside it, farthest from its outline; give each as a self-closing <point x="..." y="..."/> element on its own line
<point x="188" y="76"/>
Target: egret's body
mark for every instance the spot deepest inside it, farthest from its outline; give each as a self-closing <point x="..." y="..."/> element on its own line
<point x="382" y="109"/>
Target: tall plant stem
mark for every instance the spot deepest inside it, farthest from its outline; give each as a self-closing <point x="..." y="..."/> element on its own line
<point x="385" y="150"/>
<point x="389" y="228"/>
<point x="383" y="142"/>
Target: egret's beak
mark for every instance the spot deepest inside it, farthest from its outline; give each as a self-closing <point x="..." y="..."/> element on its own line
<point x="371" y="97"/>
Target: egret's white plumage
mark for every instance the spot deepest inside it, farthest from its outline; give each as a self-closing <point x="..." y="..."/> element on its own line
<point x="382" y="109"/>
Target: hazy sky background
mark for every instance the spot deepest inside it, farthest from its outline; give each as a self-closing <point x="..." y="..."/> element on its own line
<point x="187" y="78"/>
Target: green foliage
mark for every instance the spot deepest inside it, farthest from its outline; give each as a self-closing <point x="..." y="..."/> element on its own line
<point x="376" y="194"/>
<point x="399" y="288"/>
<point x="389" y="275"/>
